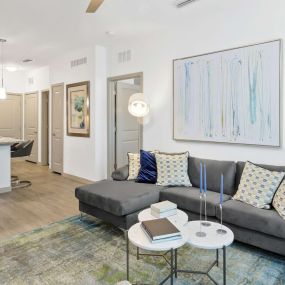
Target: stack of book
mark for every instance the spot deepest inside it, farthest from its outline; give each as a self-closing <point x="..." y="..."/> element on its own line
<point x="163" y="209"/>
<point x="161" y="230"/>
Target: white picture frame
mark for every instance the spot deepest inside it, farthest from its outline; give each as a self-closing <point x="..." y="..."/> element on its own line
<point x="229" y="96"/>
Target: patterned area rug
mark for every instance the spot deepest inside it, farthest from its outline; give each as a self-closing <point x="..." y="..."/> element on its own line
<point x="86" y="253"/>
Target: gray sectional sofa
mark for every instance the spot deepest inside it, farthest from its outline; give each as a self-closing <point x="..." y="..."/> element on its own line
<point x="119" y="201"/>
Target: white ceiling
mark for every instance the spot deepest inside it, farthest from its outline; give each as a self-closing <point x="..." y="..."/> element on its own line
<point x="44" y="29"/>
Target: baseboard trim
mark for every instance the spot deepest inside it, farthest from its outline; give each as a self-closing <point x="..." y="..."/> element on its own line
<point x="5" y="190"/>
<point x="77" y="179"/>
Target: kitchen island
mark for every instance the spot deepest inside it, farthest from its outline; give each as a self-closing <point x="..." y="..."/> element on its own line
<point x="5" y="163"/>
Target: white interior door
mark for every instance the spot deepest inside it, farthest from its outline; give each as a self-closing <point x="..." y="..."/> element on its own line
<point x="11" y="116"/>
<point x="127" y="126"/>
<point x="57" y="128"/>
<point x="31" y="123"/>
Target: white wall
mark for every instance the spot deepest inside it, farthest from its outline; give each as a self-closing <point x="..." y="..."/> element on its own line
<point x="14" y="82"/>
<point x="220" y="25"/>
<point x="41" y="79"/>
<point x="84" y="157"/>
<point x="100" y="113"/>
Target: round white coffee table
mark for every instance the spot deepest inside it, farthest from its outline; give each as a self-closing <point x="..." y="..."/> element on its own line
<point x="137" y="237"/>
<point x="181" y="218"/>
<point x="212" y="240"/>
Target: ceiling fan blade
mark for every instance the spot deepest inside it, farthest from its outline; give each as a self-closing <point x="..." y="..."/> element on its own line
<point x="94" y="5"/>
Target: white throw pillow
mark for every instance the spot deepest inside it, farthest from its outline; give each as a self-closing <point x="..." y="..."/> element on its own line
<point x="172" y="169"/>
<point x="134" y="165"/>
<point x="279" y="200"/>
<point x="258" y="186"/>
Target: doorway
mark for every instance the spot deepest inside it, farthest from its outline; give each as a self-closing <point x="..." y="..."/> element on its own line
<point x="11" y="116"/>
<point x="124" y="130"/>
<point x="31" y="123"/>
<point x="45" y="128"/>
<point x="57" y="128"/>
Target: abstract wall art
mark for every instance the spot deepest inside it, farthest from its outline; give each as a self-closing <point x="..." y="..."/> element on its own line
<point x="231" y="96"/>
<point x="77" y="108"/>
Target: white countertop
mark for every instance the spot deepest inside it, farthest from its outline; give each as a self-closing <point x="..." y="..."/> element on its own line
<point x="8" y="141"/>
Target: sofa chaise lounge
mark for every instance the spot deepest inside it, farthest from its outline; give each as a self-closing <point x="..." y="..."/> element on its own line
<point x="119" y="201"/>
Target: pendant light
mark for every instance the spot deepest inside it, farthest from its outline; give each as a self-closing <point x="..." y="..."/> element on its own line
<point x="138" y="106"/>
<point x="3" y="94"/>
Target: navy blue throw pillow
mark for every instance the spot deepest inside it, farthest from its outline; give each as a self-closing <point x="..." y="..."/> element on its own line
<point x="148" y="171"/>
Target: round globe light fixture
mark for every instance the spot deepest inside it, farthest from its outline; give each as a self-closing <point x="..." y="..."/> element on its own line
<point x="138" y="105"/>
<point x="11" y="68"/>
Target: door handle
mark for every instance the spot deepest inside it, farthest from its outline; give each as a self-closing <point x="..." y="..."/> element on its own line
<point x="53" y="134"/>
<point x="35" y="132"/>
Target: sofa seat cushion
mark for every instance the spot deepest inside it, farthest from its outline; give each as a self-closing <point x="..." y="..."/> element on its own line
<point x="118" y="197"/>
<point x="249" y="217"/>
<point x="187" y="198"/>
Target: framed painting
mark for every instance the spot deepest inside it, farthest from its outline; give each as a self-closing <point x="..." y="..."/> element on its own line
<point x="77" y="103"/>
<point x="230" y="96"/>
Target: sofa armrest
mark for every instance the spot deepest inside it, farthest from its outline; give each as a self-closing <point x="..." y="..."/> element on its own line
<point x="121" y="173"/>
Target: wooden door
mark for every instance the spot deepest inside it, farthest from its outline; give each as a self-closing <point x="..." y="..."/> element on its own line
<point x="57" y="128"/>
<point x="127" y="126"/>
<point x="31" y="123"/>
<point x="11" y="116"/>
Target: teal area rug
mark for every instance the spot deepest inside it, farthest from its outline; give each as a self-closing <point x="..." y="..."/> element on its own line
<point x="72" y="252"/>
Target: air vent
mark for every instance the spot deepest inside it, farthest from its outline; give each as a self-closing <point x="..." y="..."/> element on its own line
<point x="77" y="62"/>
<point x="124" y="56"/>
<point x="31" y="80"/>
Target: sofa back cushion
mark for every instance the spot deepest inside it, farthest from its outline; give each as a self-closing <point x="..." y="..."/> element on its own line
<point x="214" y="170"/>
<point x="241" y="165"/>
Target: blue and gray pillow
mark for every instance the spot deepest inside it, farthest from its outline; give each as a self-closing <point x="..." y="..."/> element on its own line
<point x="148" y="170"/>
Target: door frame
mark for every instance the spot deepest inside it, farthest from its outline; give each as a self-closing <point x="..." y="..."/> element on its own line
<point x="45" y="141"/>
<point x="111" y="81"/>
<point x="51" y="123"/>
<point x="38" y="135"/>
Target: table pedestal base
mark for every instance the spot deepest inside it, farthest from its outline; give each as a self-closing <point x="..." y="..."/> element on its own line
<point x="172" y="262"/>
<point x="162" y="255"/>
<point x="216" y="262"/>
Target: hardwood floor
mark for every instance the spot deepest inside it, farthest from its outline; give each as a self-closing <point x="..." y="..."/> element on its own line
<point x="49" y="199"/>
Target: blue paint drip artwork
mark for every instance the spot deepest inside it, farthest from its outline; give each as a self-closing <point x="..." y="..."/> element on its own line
<point x="230" y="96"/>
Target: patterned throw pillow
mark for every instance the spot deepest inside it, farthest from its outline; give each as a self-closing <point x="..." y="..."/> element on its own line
<point x="134" y="165"/>
<point x="258" y="186"/>
<point x="172" y="169"/>
<point x="279" y="200"/>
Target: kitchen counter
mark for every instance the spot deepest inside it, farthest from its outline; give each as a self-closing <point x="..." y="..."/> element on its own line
<point x="5" y="163"/>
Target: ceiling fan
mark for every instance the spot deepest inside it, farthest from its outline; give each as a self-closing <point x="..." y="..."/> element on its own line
<point x="94" y="5"/>
<point x="181" y="3"/>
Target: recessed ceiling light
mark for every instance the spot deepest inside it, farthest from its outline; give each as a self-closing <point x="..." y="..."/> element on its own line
<point x="11" y="68"/>
<point x="27" y="60"/>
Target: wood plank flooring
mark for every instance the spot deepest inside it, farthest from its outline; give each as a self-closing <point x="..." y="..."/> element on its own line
<point x="49" y="199"/>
